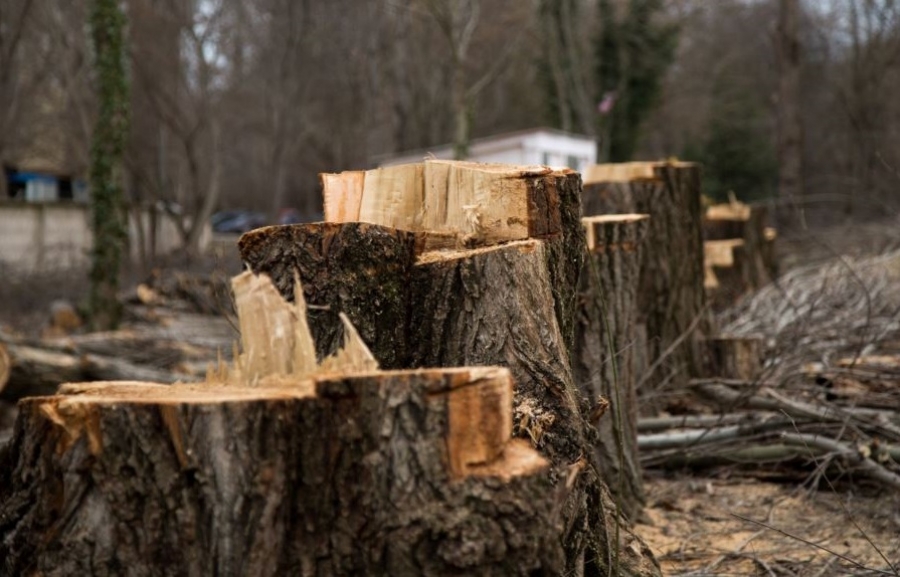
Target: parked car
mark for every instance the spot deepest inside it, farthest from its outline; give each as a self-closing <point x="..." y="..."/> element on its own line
<point x="237" y="221"/>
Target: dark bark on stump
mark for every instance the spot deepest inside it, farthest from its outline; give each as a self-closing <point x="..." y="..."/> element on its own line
<point x="738" y="358"/>
<point x="671" y="298"/>
<point x="352" y="476"/>
<point x="604" y="364"/>
<point x="359" y="269"/>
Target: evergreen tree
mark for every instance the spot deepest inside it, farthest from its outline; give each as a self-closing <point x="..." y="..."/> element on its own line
<point x="107" y="23"/>
<point x="738" y="154"/>
<point x="632" y="58"/>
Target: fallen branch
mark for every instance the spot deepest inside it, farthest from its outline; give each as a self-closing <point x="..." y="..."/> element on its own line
<point x="854" y="456"/>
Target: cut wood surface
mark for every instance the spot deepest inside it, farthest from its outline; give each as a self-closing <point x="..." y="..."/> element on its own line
<point x="744" y="227"/>
<point x="264" y="471"/>
<point x="604" y="362"/>
<point x="481" y="204"/>
<point x="671" y="297"/>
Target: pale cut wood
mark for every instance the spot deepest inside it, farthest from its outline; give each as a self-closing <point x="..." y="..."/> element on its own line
<point x="277" y="341"/>
<point x="393" y="196"/>
<point x="342" y="195"/>
<point x="720" y="252"/>
<point x="4" y="366"/>
<point x="478" y="204"/>
<point x="627" y="171"/>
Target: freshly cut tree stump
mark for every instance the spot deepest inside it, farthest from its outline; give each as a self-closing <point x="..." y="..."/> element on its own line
<point x="727" y="271"/>
<point x="606" y="334"/>
<point x="279" y="465"/>
<point x="738" y="221"/>
<point x="671" y="298"/>
<point x="478" y="204"/>
<point x="500" y="250"/>
<point x="359" y="269"/>
<point x="404" y="473"/>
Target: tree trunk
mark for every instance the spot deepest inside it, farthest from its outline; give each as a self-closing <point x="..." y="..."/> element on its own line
<point x="402" y="473"/>
<point x="108" y="217"/>
<point x="604" y="362"/>
<point x="511" y="305"/>
<point x="671" y="298"/>
<point x="360" y="269"/>
<point x="790" y="124"/>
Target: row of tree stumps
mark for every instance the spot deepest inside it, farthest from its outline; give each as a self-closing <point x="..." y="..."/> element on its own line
<point x="500" y="440"/>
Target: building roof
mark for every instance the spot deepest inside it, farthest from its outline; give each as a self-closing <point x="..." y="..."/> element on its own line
<point x="485" y="142"/>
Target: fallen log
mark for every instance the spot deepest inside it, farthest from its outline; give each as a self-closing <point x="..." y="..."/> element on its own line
<point x="671" y="298"/>
<point x="606" y="341"/>
<point x="265" y="471"/>
<point x="35" y="370"/>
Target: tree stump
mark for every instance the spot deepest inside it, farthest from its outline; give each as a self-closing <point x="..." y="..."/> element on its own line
<point x="604" y="364"/>
<point x="501" y="291"/>
<point x="265" y="471"/>
<point x="671" y="298"/>
<point x="734" y="221"/>
<point x="738" y="358"/>
<point x="359" y="269"/>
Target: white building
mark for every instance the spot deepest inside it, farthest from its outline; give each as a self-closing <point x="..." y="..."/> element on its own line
<point x="546" y="146"/>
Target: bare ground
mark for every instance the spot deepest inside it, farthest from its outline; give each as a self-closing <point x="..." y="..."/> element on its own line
<point x="742" y="526"/>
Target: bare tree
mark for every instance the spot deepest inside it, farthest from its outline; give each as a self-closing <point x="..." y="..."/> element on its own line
<point x="790" y="128"/>
<point x="14" y="17"/>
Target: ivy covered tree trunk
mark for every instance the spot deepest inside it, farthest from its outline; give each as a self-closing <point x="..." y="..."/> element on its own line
<point x="110" y="134"/>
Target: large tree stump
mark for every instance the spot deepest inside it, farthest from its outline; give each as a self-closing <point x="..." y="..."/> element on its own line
<point x="511" y="305"/>
<point x="359" y="269"/>
<point x="606" y="335"/>
<point x="408" y="473"/>
<point x="671" y="298"/>
<point x="278" y="465"/>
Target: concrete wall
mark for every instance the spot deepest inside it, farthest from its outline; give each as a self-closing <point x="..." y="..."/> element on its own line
<point x="38" y="237"/>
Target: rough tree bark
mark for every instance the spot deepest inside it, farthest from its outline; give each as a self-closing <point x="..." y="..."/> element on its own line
<point x="790" y="120"/>
<point x="278" y="465"/>
<point x="360" y="269"/>
<point x="671" y="298"/>
<point x="604" y="362"/>
<point x="511" y="305"/>
<point x="403" y="473"/>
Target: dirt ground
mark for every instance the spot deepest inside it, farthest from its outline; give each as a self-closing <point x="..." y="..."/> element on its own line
<point x="741" y="526"/>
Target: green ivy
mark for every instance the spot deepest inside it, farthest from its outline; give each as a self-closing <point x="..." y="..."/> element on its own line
<point x="108" y="217"/>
